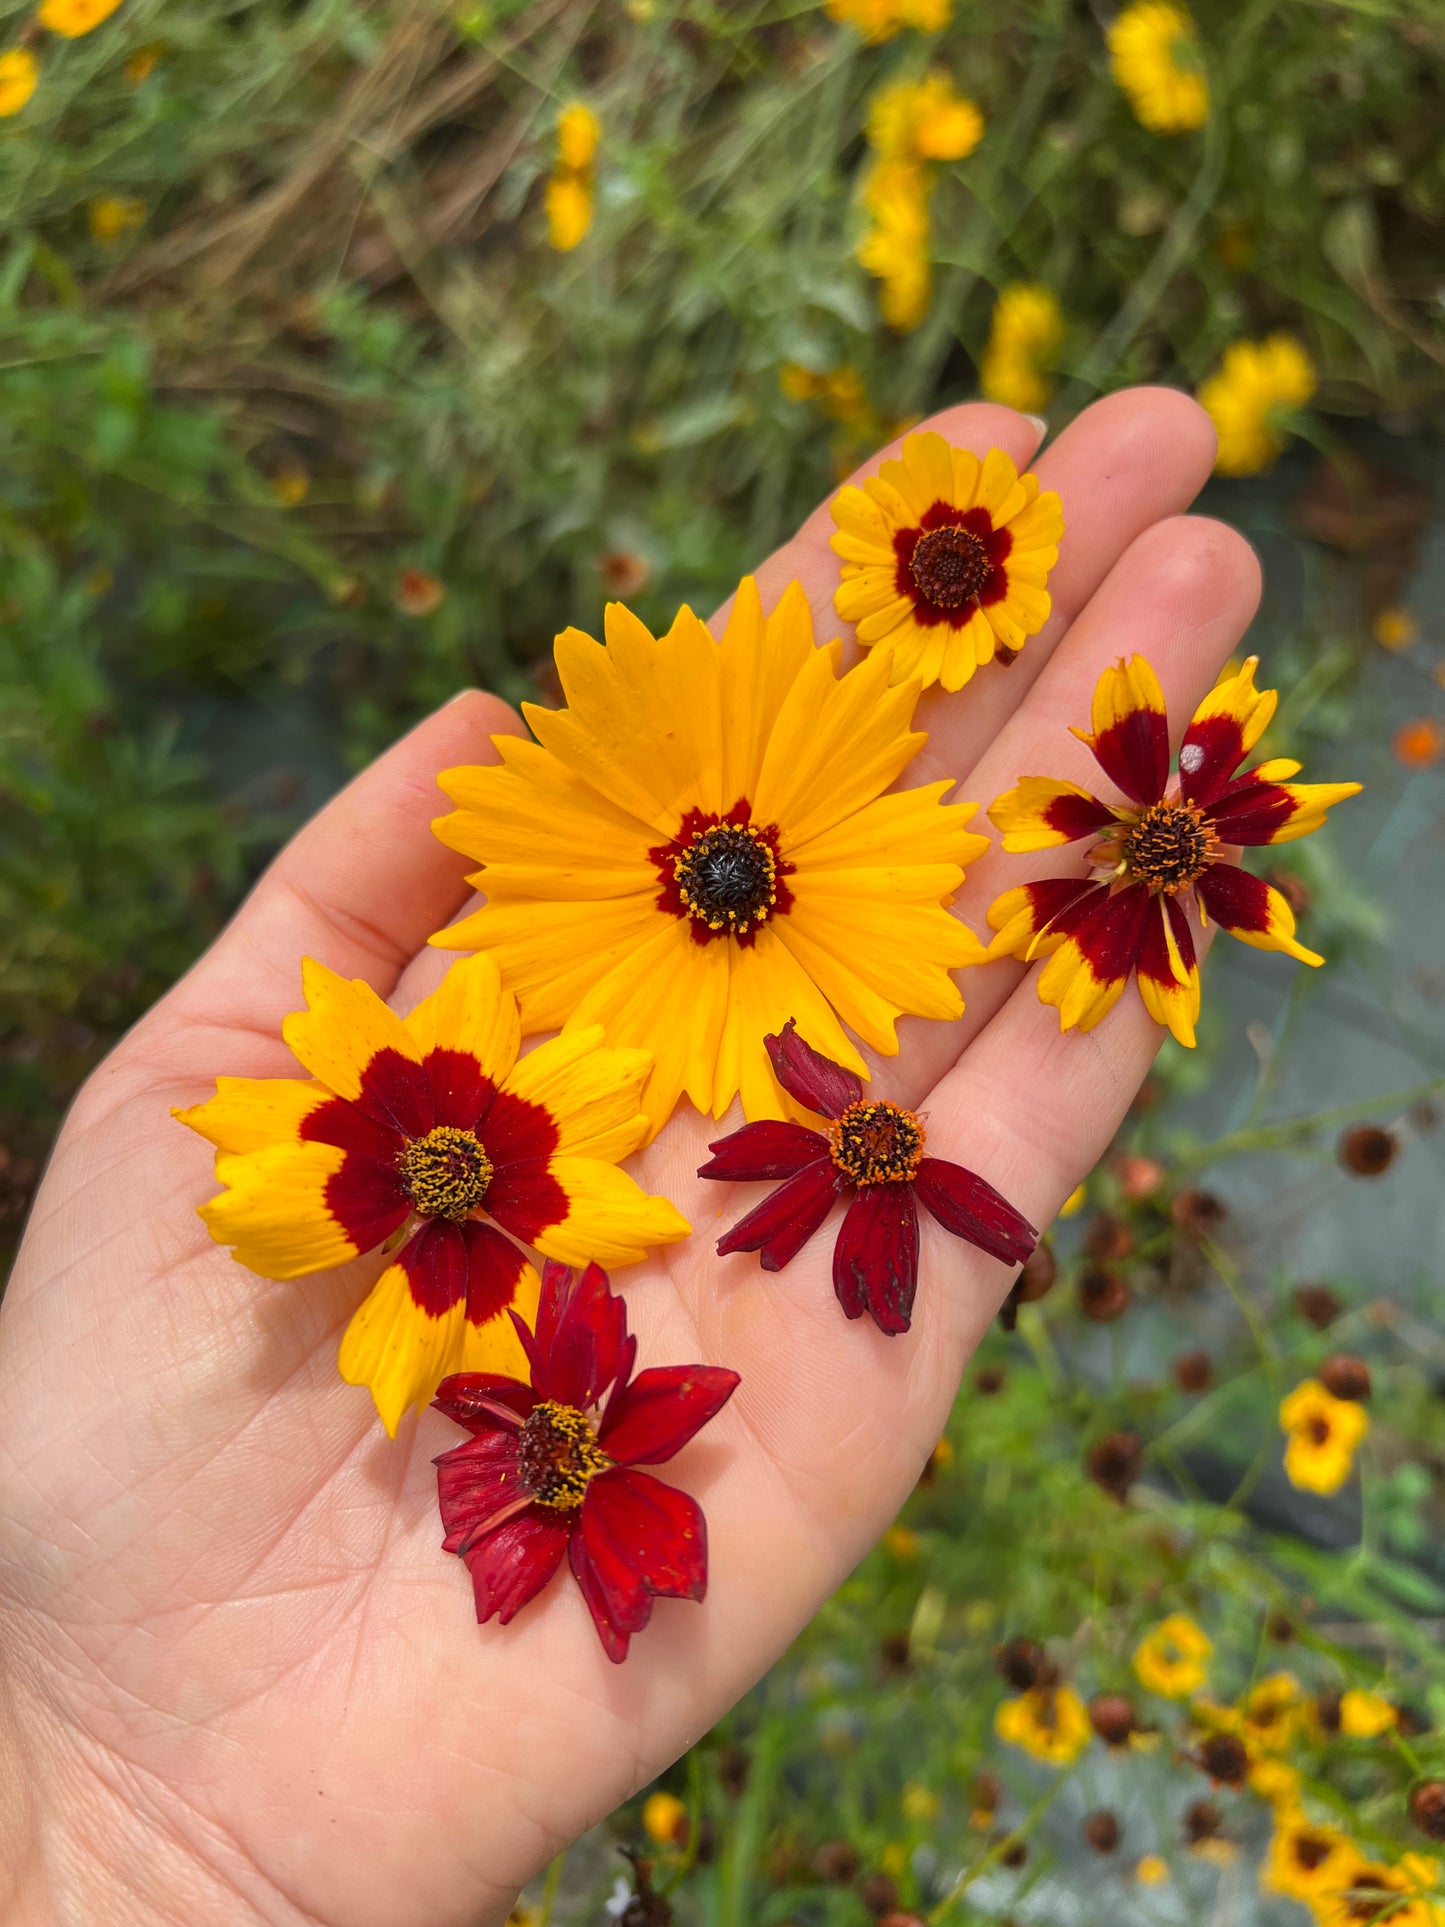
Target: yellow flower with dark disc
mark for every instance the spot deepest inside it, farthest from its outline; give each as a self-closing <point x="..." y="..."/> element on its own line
<point x="1405" y="1895"/>
<point x="946" y="558"/>
<point x="1323" y="1432"/>
<point x="427" y="1136"/>
<point x="705" y="843"/>
<point x="1306" y="1859"/>
<point x="1051" y="1722"/>
<point x="1173" y="1660"/>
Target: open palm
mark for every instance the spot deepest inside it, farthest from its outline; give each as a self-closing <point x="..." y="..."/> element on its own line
<point x="240" y="1681"/>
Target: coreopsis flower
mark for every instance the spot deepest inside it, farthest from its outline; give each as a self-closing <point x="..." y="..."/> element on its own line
<point x="1306" y="1858"/>
<point x="72" y="18"/>
<point x="1323" y="1433"/>
<point x="1253" y="401"/>
<point x="1276" y="1782"/>
<point x="1365" y="1716"/>
<point x="664" y="1819"/>
<point x="19" y="75"/>
<point x="894" y="247"/>
<point x="1173" y="1660"/>
<point x="1152" y="1870"/>
<point x="1369" y="1891"/>
<point x="1154" y="58"/>
<point x="1051" y="1722"/>
<point x="1024" y="339"/>
<point x="880" y="20"/>
<point x="945" y="558"/>
<point x="700" y="846"/>
<point x="428" y="1138"/>
<point x="568" y="197"/>
<point x="923" y="120"/>
<point x="871" y="1152"/>
<point x="551" y="1467"/>
<point x="578" y="134"/>
<point x="1152" y="851"/>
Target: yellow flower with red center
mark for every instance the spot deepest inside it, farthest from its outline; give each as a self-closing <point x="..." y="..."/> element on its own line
<point x="880" y="20"/>
<point x="1365" y="1716"/>
<point x="1173" y="1660"/>
<point x="568" y="197"/>
<point x="1025" y="336"/>
<point x="1406" y="1895"/>
<point x="430" y="1130"/>
<point x="1254" y="399"/>
<point x="945" y="558"/>
<point x="72" y="18"/>
<point x="1306" y="1859"/>
<point x="699" y="847"/>
<point x="1323" y="1432"/>
<point x="19" y="73"/>
<point x="1154" y="58"/>
<point x="1151" y="853"/>
<point x="1051" y="1722"/>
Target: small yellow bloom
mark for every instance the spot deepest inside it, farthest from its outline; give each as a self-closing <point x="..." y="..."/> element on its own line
<point x="1051" y="1722"/>
<point x="291" y="485"/>
<point x="1365" y="1716"/>
<point x="900" y="1543"/>
<point x="879" y="20"/>
<point x="1395" y="629"/>
<point x="1075" y="1201"/>
<point x="1173" y="1660"/>
<point x="1277" y="1783"/>
<point x="1025" y="336"/>
<point x="524" y="1916"/>
<point x="74" y="17"/>
<point x="1323" y="1433"/>
<point x="19" y="71"/>
<point x="664" y="1819"/>
<point x="923" y="121"/>
<point x="1154" y="57"/>
<point x="894" y="1858"/>
<point x="578" y="132"/>
<point x="799" y="383"/>
<point x="1270" y="1713"/>
<point x="1259" y="388"/>
<point x="569" y="211"/>
<point x="1304" y="1860"/>
<point x="942" y="1455"/>
<point x="918" y="1803"/>
<point x="895" y="247"/>
<point x="1152" y="1870"/>
<point x="112" y="215"/>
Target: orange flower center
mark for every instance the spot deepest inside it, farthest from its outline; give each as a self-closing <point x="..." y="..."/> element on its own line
<point x="950" y="566"/>
<point x="557" y="1453"/>
<point x="727" y="877"/>
<point x="446" y="1173"/>
<point x="876" y="1143"/>
<point x="1168" y="846"/>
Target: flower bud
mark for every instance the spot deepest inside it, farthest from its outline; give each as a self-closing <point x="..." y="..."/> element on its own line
<point x="1427" y="1808"/>
<point x="1317" y="1305"/>
<point x="1345" y="1376"/>
<point x="1112" y="1718"/>
<point x="1103" y="1295"/>
<point x="1224" y="1758"/>
<point x="1025" y="1664"/>
<point x="1107" y="1237"/>
<point x="1198" y="1214"/>
<point x="1114" y="1463"/>
<point x="1367" y="1149"/>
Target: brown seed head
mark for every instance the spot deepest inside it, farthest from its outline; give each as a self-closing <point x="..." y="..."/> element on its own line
<point x="734" y="1763"/>
<point x="894" y="1650"/>
<point x="1014" y="1854"/>
<point x="837" y="1862"/>
<point x="1427" y="1808"/>
<point x="1345" y="1376"/>
<point x="1139" y="1177"/>
<point x="989" y="1380"/>
<point x="1279" y="1626"/>
<point x="1102" y="1830"/>
<point x="986" y="1792"/>
<point x="1115" y="1462"/>
<point x="1103" y="1295"/>
<point x="1198" y="1214"/>
<point x="1201" y="1821"/>
<point x="880" y="1894"/>
<point x="1036" y="1280"/>
<point x="1112" y="1718"/>
<point x="1327" y="1711"/>
<point x="1367" y="1149"/>
<point x="1025" y="1664"/>
<point x="1193" y="1371"/>
<point x="1317" y="1305"/>
<point x="1224" y="1758"/>
<point x="1107" y="1238"/>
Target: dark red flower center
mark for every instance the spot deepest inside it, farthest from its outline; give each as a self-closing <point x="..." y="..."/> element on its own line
<point x="446" y="1173"/>
<point x="876" y="1143"/>
<point x="1169" y="846"/>
<point x="727" y="876"/>
<point x="557" y="1453"/>
<point x="950" y="566"/>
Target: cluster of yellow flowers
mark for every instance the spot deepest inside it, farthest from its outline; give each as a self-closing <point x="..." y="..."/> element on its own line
<point x="19" y="68"/>
<point x="879" y="20"/>
<point x="1154" y="57"/>
<point x="910" y="125"/>
<point x="1253" y="399"/>
<point x="1023" y="346"/>
<point x="569" y="191"/>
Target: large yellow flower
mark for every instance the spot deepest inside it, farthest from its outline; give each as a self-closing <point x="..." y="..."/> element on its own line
<point x="1368" y="1892"/>
<point x="699" y="847"/>
<point x="1173" y="1660"/>
<point x="1306" y="1860"/>
<point x="945" y="558"/>
<point x="1323" y="1432"/>
<point x="428" y="1130"/>
<point x="1155" y="59"/>
<point x="1051" y="1722"/>
<point x="1259" y="388"/>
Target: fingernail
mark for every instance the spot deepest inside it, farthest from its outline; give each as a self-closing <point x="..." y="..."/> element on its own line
<point x="1039" y="423"/>
<point x="461" y="696"/>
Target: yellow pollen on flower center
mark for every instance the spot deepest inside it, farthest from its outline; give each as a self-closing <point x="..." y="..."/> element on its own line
<point x="1169" y="846"/>
<point x="876" y="1143"/>
<point x="727" y="877"/>
<point x="446" y="1173"/>
<point x="557" y="1453"/>
<point x="950" y="565"/>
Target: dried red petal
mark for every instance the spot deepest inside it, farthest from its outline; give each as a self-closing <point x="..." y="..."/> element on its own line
<point x="766" y="1150"/>
<point x="481" y="1400"/>
<point x="479" y="1487"/>
<point x="638" y="1540"/>
<point x="581" y="1329"/>
<point x="814" y="1080"/>
<point x="875" y="1261"/>
<point x="654" y="1416"/>
<point x="970" y="1208"/>
<point x="779" y="1227"/>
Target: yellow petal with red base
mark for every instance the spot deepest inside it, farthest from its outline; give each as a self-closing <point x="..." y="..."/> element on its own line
<point x="1252" y="910"/>
<point x="248" y="1113"/>
<point x="344" y="1026"/>
<point x="1087" y="973"/>
<point x="1167" y="970"/>
<point x="1043" y="811"/>
<point x="274" y="1210"/>
<point x="470" y="1011"/>
<point x="593" y="1095"/>
<point x="1130" y="736"/>
<point x="1034" y="919"/>
<point x="610" y="1219"/>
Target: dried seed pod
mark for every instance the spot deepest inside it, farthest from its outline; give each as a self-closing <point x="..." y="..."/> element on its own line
<point x="1317" y="1305"/>
<point x="1193" y="1371"/>
<point x="1103" y="1295"/>
<point x="1112" y="1718"/>
<point x="1201" y="1821"/>
<point x="1103" y="1831"/>
<point x="1345" y="1376"/>
<point x="894" y="1649"/>
<point x="1224" y="1758"/>
<point x="1014" y="1854"/>
<point x="1107" y="1238"/>
<point x="1198" y="1214"/>
<point x="1114" y="1463"/>
<point x="1025" y="1664"/>
<point x="1367" y="1149"/>
<point x="879" y="1893"/>
<point x="1427" y="1808"/>
<point x="837" y="1863"/>
<point x="989" y="1380"/>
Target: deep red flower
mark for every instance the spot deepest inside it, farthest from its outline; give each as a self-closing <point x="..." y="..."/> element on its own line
<point x="544" y="1473"/>
<point x="872" y="1150"/>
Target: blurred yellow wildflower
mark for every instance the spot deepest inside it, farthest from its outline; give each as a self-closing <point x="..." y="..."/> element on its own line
<point x="1369" y="1891"/>
<point x="1323" y="1432"/>
<point x="942" y="1455"/>
<point x="19" y="71"/>
<point x="578" y="132"/>
<point x="895" y="247"/>
<point x="1051" y="1722"/>
<point x="113" y="215"/>
<point x="894" y="1858"/>
<point x="291" y="485"/>
<point x="664" y="1819"/>
<point x="1154" y="57"/>
<point x="918" y="1803"/>
<point x="524" y="1916"/>
<point x="568" y="198"/>
<point x="901" y="1544"/>
<point x="923" y="120"/>
<point x="879" y="20"/>
<point x="1270" y="1713"/>
<point x="74" y="17"/>
<point x="1152" y="1870"/>
<point x="1252" y="399"/>
<point x="1277" y="1783"/>
<point x="1365" y="1716"/>
<point x="143" y="62"/>
<point x="1305" y="1860"/>
<point x="1173" y="1660"/>
<point x="1395" y="629"/>
<point x="1024" y="339"/>
<point x="1075" y="1201"/>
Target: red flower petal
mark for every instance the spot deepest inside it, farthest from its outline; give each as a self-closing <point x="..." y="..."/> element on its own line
<point x="485" y="1401"/>
<point x="1131" y="731"/>
<point x="350" y="1129"/>
<point x="513" y="1564"/>
<point x="524" y="1198"/>
<point x="1110" y="931"/>
<point x="479" y="1487"/>
<point x="435" y="1263"/>
<point x="581" y="1330"/>
<point x="1236" y="900"/>
<point x="875" y="1261"/>
<point x="397" y="1092"/>
<point x="639" y="1539"/>
<point x="1251" y="812"/>
<point x="769" y="1149"/>
<point x="461" y="1090"/>
<point x="367" y="1200"/>
<point x="494" y="1267"/>
<point x="1154" y="959"/>
<point x="970" y="1208"/>
<point x="804" y="1073"/>
<point x="655" y="1415"/>
<point x="779" y="1227"/>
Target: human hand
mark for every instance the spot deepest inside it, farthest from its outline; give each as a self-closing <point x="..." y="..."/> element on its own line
<point x="239" y="1679"/>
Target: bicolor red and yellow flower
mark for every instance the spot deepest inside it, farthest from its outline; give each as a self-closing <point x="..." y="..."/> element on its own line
<point x="550" y="1469"/>
<point x="705" y="842"/>
<point x="946" y="558"/>
<point x="428" y="1136"/>
<point x="1153" y="851"/>
<point x="871" y="1152"/>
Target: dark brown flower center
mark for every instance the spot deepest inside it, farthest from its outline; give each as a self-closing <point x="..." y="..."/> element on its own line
<point x="1310" y="1851"/>
<point x="1317" y="1430"/>
<point x="876" y="1143"/>
<point x="1372" y="1893"/>
<point x="727" y="877"/>
<point x="950" y="566"/>
<point x="1169" y="846"/>
<point x="446" y="1173"/>
<point x="557" y="1453"/>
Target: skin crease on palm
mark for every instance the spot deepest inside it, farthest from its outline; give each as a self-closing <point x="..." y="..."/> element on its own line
<point x="239" y="1681"/>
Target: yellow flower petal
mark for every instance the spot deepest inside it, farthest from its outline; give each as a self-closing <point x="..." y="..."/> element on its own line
<point x="342" y="1029"/>
<point x="274" y="1210"/>
<point x="593" y="1095"/>
<point x="610" y="1219"/>
<point x="248" y="1113"/>
<point x="470" y="1011"/>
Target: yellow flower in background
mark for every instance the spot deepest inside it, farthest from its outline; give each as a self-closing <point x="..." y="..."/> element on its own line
<point x="578" y="132"/>
<point x="664" y="1819"/>
<point x="144" y="61"/>
<point x="291" y="485"/>
<point x="1365" y="1716"/>
<point x="75" y="17"/>
<point x="1173" y="1660"/>
<point x="1369" y="1891"/>
<point x="1024" y="339"/>
<point x="19" y="72"/>
<point x="1152" y="1870"/>
<point x="1306" y="1860"/>
<point x="1154" y="57"/>
<point x="1323" y="1433"/>
<point x="919" y="1803"/>
<point x="879" y="20"/>
<point x="894" y="249"/>
<point x="568" y="197"/>
<point x="1260" y="387"/>
<point x="1270" y="1714"/>
<point x="1277" y="1783"/>
<point x="1395" y="629"/>
<point x="113" y="215"/>
<point x="1051" y="1722"/>
<point x="1075" y="1201"/>
<point x="923" y="120"/>
<point x="901" y="1543"/>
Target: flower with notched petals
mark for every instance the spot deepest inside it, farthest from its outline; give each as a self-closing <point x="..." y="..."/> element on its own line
<point x="552" y="1469"/>
<point x="873" y="1150"/>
